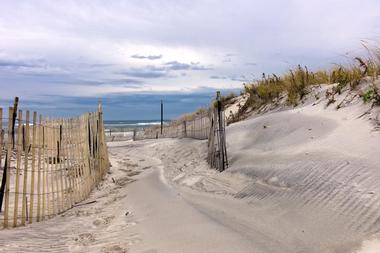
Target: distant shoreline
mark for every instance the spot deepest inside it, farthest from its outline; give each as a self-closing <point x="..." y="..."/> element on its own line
<point x="117" y="125"/>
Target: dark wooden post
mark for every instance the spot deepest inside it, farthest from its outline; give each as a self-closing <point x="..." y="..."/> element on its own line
<point x="184" y="129"/>
<point x="8" y="155"/>
<point x="14" y="116"/>
<point x="220" y="131"/>
<point x="162" y="115"/>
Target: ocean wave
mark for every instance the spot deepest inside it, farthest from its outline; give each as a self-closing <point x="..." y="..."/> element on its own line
<point x="120" y="124"/>
<point x="148" y="123"/>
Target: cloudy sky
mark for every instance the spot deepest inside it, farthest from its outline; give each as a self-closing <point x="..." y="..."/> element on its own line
<point x="60" y="57"/>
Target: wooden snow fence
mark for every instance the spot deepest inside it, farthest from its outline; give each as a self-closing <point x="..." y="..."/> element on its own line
<point x="197" y="128"/>
<point x="48" y="166"/>
<point x="217" y="148"/>
<point x="208" y="125"/>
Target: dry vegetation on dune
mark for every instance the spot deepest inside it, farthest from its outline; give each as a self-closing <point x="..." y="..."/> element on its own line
<point x="297" y="83"/>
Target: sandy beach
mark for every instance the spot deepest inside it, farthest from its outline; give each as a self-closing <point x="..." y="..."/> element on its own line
<point x="296" y="183"/>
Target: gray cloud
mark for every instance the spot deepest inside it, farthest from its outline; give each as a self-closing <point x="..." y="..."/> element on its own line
<point x="148" y="72"/>
<point x="218" y="77"/>
<point x="15" y="64"/>
<point x="129" y="82"/>
<point x="232" y="78"/>
<point x="125" y="81"/>
<point x="175" y="65"/>
<point x="101" y="65"/>
<point x="148" y="57"/>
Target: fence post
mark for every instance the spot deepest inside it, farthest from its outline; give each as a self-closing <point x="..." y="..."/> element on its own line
<point x="220" y="134"/>
<point x="1" y="133"/>
<point x="162" y="115"/>
<point x="60" y="168"/>
<point x="81" y="167"/>
<point x="184" y="127"/>
<point x="45" y="182"/>
<point x="65" y="169"/>
<point x="217" y="152"/>
<point x="18" y="164"/>
<point x="6" y="174"/>
<point x="26" y="155"/>
<point x="87" y="155"/>
<point x="2" y="188"/>
<point x="15" y="105"/>
<point x="56" y="166"/>
<point x="52" y="168"/>
<point x="69" y="174"/>
<point x="33" y="167"/>
<point x="39" y="133"/>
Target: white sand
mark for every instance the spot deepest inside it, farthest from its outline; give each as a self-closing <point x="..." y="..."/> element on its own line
<point x="305" y="180"/>
<point x="370" y="246"/>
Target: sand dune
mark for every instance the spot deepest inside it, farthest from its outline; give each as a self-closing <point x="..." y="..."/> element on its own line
<point x="301" y="180"/>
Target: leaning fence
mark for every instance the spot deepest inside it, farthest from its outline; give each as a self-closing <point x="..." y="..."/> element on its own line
<point x="209" y="125"/>
<point x="48" y="166"/>
<point x="217" y="146"/>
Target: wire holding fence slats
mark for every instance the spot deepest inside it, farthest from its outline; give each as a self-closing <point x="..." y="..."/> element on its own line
<point x="47" y="166"/>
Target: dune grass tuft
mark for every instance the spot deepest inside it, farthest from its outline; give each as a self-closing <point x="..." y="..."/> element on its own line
<point x="296" y="83"/>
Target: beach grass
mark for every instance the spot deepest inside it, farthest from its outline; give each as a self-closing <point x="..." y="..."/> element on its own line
<point x="296" y="83"/>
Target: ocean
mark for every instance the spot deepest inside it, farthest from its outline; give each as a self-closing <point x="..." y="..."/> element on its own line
<point x="122" y="124"/>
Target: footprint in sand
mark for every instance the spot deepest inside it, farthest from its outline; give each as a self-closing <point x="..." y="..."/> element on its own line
<point x="114" y="249"/>
<point x="85" y="239"/>
<point x="130" y="224"/>
<point x="103" y="220"/>
<point x="81" y="213"/>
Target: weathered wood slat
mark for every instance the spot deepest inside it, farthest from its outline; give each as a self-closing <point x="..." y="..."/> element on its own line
<point x="18" y="168"/>
<point x="34" y="141"/>
<point x="26" y="161"/>
<point x="50" y="165"/>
